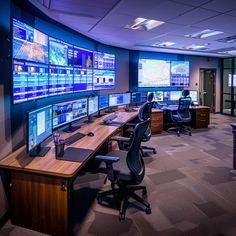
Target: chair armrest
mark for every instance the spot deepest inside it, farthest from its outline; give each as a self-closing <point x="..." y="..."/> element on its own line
<point x="107" y="159"/>
<point x="120" y="139"/>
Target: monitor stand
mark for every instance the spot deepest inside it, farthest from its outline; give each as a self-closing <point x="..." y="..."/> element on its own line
<point x="129" y="108"/>
<point x="89" y="120"/>
<point x="39" y="151"/>
<point x="100" y="114"/>
<point x="71" y="128"/>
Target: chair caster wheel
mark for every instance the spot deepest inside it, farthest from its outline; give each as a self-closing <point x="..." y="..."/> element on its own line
<point x="190" y="134"/>
<point x="99" y="199"/>
<point x="122" y="216"/>
<point x="154" y="152"/>
<point x="148" y="210"/>
<point x="178" y="134"/>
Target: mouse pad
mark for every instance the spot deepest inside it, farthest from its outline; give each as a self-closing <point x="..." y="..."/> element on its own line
<point x="114" y="123"/>
<point x="75" y="154"/>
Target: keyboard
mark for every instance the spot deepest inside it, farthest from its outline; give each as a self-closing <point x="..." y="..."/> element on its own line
<point x="73" y="138"/>
<point x="110" y="117"/>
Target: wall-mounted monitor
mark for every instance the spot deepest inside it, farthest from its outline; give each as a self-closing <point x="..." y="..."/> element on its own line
<point x="104" y="61"/>
<point x="119" y="99"/>
<point x="60" y="52"/>
<point x="153" y="73"/>
<point x="30" y="81"/>
<point x="103" y="79"/>
<point x="103" y="102"/>
<point x="83" y="79"/>
<point x="179" y="74"/>
<point x="83" y="58"/>
<point x="28" y="43"/>
<point x="68" y="112"/>
<point x="39" y="128"/>
<point x="194" y="95"/>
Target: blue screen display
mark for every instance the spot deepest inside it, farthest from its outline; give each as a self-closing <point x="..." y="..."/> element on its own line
<point x="103" y="79"/>
<point x="119" y="99"/>
<point x="103" y="102"/>
<point x="28" y="43"/>
<point x="83" y="58"/>
<point x="172" y="95"/>
<point x="104" y="61"/>
<point x="39" y="126"/>
<point x="92" y="105"/>
<point x="67" y="112"/>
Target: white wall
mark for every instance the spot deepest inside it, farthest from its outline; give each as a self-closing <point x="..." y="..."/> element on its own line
<point x="197" y="63"/>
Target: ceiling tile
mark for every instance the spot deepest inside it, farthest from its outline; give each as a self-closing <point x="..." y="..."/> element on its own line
<point x="195" y="3"/>
<point x="194" y="16"/>
<point x="220" y="5"/>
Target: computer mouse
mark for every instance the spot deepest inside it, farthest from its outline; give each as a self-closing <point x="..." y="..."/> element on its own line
<point x="90" y="134"/>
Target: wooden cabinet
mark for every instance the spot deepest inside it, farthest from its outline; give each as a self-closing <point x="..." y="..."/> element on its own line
<point x="39" y="203"/>
<point x="200" y="117"/>
<point x="156" y="121"/>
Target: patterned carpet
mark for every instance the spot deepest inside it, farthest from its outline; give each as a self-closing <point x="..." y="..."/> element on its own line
<point x="191" y="188"/>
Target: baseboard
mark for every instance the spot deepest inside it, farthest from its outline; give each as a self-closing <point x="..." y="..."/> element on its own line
<point x="4" y="219"/>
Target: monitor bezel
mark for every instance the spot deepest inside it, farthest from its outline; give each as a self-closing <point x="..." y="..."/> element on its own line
<point x="100" y="109"/>
<point x="119" y="104"/>
<point x="72" y="121"/>
<point x="27" y="128"/>
<point x="88" y="105"/>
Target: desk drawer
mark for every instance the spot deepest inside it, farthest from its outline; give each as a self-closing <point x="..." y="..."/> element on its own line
<point x="157" y="122"/>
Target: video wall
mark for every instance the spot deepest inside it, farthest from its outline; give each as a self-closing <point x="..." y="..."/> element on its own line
<point x="45" y="66"/>
<point x="163" y="73"/>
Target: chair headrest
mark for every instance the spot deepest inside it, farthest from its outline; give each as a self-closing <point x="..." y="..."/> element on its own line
<point x="150" y="96"/>
<point x="185" y="93"/>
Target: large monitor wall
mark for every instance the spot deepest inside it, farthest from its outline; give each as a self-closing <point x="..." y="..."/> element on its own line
<point x="45" y="66"/>
<point x="163" y="73"/>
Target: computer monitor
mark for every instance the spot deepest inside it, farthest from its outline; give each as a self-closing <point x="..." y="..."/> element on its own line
<point x="158" y="96"/>
<point x="175" y="95"/>
<point x="92" y="107"/>
<point x="39" y="128"/>
<point x="119" y="99"/>
<point x="103" y="102"/>
<point x="194" y="95"/>
<point x="69" y="112"/>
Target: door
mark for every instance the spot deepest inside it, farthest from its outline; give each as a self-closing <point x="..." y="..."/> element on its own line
<point x="207" y="88"/>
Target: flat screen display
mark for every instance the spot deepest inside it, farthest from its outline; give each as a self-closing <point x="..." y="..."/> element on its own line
<point x="67" y="112"/>
<point x="83" y="79"/>
<point x="103" y="102"/>
<point x="158" y="96"/>
<point x="60" y="52"/>
<point x="179" y="75"/>
<point x="103" y="79"/>
<point x="28" y="43"/>
<point x="119" y="99"/>
<point x="153" y="73"/>
<point x="92" y="105"/>
<point x="194" y="95"/>
<point x="83" y="58"/>
<point x="172" y="95"/>
<point x="39" y="125"/>
<point x="104" y="61"/>
<point x="30" y="81"/>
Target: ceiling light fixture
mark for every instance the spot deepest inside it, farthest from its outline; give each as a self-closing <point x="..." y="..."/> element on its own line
<point x="193" y="46"/>
<point x="164" y="44"/>
<point x="144" y="24"/>
<point x="204" y="34"/>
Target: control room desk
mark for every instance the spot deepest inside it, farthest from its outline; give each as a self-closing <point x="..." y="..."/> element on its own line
<point x="200" y="116"/>
<point x="41" y="186"/>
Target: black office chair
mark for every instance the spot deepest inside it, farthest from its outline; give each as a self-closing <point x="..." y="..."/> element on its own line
<point x="183" y="115"/>
<point x="126" y="170"/>
<point x="144" y="113"/>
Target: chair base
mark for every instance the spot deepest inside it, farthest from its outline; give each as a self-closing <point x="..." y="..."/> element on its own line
<point x="181" y="130"/>
<point x="125" y="193"/>
<point x="149" y="148"/>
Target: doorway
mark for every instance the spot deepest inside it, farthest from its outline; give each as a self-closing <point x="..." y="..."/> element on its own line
<point x="207" y="88"/>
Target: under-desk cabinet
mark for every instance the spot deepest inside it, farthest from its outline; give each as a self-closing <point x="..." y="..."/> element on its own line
<point x="157" y="121"/>
<point x="200" y="117"/>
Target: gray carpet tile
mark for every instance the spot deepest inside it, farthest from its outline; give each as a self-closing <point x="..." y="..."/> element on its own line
<point x="221" y="150"/>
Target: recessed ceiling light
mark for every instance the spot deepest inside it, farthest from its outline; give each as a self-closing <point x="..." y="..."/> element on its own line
<point x="164" y="44"/>
<point x="193" y="46"/>
<point x="204" y="34"/>
<point x="144" y="24"/>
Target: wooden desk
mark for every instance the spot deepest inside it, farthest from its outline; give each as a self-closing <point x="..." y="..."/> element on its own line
<point x="200" y="116"/>
<point x="157" y="120"/>
<point x="41" y="186"/>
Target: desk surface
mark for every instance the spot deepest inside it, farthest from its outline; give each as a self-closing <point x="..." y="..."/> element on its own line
<point x="175" y="107"/>
<point x="19" y="160"/>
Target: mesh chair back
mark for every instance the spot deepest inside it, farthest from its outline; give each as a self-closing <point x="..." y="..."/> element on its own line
<point x="134" y="157"/>
<point x="145" y="111"/>
<point x="183" y="109"/>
